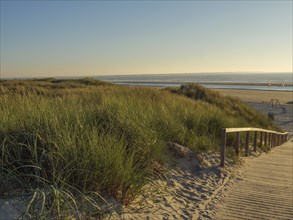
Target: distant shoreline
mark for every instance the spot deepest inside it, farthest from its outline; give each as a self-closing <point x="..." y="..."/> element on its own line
<point x="278" y="86"/>
<point x="282" y="87"/>
<point x="259" y="95"/>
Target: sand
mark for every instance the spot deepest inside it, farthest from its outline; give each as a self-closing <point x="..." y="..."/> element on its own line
<point x="257" y="95"/>
<point x="261" y="101"/>
<point x="183" y="193"/>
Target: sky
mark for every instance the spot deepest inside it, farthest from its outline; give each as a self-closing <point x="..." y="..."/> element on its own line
<point x="84" y="38"/>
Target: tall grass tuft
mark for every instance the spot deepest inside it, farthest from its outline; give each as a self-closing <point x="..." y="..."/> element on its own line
<point x="231" y="105"/>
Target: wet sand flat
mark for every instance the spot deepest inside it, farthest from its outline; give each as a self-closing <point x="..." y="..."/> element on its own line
<point x="257" y="95"/>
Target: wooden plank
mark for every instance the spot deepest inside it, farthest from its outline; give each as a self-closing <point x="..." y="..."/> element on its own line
<point x="237" y="147"/>
<point x="255" y="141"/>
<point x="264" y="189"/>
<point x="260" y="140"/>
<point x="266" y="139"/>
<point x="231" y="130"/>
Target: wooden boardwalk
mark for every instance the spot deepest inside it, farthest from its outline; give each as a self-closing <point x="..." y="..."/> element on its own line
<point x="266" y="191"/>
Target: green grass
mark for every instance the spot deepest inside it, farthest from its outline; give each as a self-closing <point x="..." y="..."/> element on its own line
<point x="77" y="141"/>
<point x="231" y="105"/>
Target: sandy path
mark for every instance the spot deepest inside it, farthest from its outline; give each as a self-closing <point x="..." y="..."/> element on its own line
<point x="266" y="191"/>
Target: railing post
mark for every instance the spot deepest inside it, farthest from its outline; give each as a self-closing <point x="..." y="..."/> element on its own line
<point x="237" y="147"/>
<point x="283" y="138"/>
<point x="255" y="141"/>
<point x="261" y="137"/>
<point x="223" y="146"/>
<point x="247" y="143"/>
<point x="268" y="138"/>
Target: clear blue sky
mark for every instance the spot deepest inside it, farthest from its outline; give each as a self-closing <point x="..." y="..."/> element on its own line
<point x="59" y="38"/>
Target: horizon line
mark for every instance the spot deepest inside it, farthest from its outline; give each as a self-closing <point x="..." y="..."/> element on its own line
<point x="141" y="74"/>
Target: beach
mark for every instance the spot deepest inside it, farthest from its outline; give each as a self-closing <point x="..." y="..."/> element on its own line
<point x="258" y="95"/>
<point x="273" y="102"/>
<point x="142" y="109"/>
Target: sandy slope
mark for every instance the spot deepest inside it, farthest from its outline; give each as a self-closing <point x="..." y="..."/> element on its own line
<point x="184" y="192"/>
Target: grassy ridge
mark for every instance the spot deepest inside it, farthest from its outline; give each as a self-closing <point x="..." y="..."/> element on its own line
<point x="79" y="139"/>
<point x="231" y="105"/>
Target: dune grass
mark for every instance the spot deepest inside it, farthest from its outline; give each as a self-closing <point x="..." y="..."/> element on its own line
<point x="231" y="105"/>
<point x="74" y="142"/>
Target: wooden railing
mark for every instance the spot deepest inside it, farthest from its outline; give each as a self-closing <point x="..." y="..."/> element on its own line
<point x="267" y="137"/>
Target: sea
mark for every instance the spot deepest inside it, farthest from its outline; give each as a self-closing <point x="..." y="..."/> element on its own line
<point x="236" y="80"/>
<point x="243" y="81"/>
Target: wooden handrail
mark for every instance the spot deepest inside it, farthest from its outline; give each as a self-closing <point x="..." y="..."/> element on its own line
<point x="230" y="130"/>
<point x="269" y="137"/>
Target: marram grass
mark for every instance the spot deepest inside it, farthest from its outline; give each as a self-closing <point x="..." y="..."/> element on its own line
<point x="68" y="143"/>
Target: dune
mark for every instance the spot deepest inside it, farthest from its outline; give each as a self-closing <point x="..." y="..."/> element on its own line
<point x="190" y="194"/>
<point x="184" y="192"/>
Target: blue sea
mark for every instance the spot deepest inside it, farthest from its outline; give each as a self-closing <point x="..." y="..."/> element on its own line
<point x="250" y="81"/>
